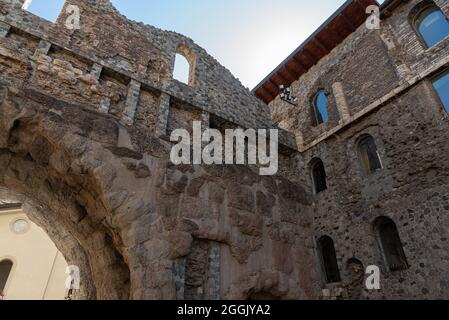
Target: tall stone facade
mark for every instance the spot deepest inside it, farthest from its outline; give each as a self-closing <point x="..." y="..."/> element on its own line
<point x="379" y="83"/>
<point x="85" y="117"/>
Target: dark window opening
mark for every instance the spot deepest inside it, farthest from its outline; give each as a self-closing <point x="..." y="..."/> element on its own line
<point x="432" y="25"/>
<point x="320" y="111"/>
<point x="5" y="271"/>
<point x="390" y="244"/>
<point x="441" y="85"/>
<point x="328" y="257"/>
<point x="319" y="176"/>
<point x="370" y="155"/>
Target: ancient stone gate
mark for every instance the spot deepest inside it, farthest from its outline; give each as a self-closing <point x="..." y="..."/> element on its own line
<point x="85" y="117"/>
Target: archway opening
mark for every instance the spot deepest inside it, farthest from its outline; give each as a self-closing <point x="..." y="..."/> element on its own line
<point x="44" y="166"/>
<point x="31" y="267"/>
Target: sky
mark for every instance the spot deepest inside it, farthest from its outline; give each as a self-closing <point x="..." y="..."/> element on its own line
<point x="249" y="37"/>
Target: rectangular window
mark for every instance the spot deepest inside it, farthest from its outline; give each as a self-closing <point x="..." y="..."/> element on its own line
<point x="46" y="9"/>
<point x="441" y="85"/>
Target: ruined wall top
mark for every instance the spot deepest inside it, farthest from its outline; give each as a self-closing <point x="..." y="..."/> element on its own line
<point x="146" y="54"/>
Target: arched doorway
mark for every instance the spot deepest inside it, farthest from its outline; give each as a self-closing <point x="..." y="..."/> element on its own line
<point x="37" y="170"/>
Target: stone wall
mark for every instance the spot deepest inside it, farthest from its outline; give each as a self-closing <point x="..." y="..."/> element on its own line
<point x="84" y="119"/>
<point x="147" y="54"/>
<point x="378" y="83"/>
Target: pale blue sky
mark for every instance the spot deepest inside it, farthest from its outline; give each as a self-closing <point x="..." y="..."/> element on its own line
<point x="249" y="37"/>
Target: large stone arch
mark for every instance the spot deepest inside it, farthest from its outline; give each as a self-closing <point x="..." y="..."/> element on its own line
<point x="84" y="126"/>
<point x="37" y="168"/>
<point x="73" y="252"/>
<point x="135" y="219"/>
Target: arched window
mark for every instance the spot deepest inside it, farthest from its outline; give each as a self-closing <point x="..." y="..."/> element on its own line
<point x="441" y="85"/>
<point x="48" y="10"/>
<point x="5" y="271"/>
<point x="318" y="175"/>
<point x="369" y="155"/>
<point x="328" y="256"/>
<point x="432" y="25"/>
<point x="390" y="244"/>
<point x="184" y="70"/>
<point x="320" y="112"/>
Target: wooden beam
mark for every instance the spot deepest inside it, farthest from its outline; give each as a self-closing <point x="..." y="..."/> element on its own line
<point x="321" y="45"/>
<point x="310" y="56"/>
<point x="291" y="71"/>
<point x="300" y="59"/>
<point x="290" y="75"/>
<point x="348" y="23"/>
<point x="280" y="80"/>
<point x="264" y="95"/>
<point x="365" y="3"/>
<point x="361" y="6"/>
<point x="335" y="35"/>
<point x="276" y="81"/>
<point x="324" y="41"/>
<point x="272" y="88"/>
<point x="298" y="65"/>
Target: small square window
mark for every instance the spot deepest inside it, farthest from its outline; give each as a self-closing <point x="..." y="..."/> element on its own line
<point x="46" y="9"/>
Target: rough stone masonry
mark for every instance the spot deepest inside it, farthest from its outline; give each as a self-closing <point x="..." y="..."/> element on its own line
<point x="85" y="117"/>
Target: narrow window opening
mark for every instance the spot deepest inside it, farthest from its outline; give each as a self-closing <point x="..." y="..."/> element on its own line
<point x="319" y="176"/>
<point x="48" y="10"/>
<point x="390" y="244"/>
<point x="320" y="111"/>
<point x="328" y="257"/>
<point x="369" y="155"/>
<point x="182" y="69"/>
<point x="5" y="271"/>
<point x="441" y="85"/>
